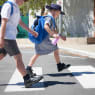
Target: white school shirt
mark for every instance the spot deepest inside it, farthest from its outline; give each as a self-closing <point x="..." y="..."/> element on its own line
<point x="13" y="20"/>
<point x="48" y="20"/>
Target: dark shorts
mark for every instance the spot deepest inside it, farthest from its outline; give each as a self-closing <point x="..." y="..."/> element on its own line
<point x="10" y="47"/>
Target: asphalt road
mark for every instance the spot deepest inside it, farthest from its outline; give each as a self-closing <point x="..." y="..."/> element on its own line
<point x="54" y="83"/>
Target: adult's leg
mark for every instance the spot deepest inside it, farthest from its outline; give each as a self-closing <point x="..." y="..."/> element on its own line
<point x="21" y="68"/>
<point x="19" y="64"/>
<point x="13" y="50"/>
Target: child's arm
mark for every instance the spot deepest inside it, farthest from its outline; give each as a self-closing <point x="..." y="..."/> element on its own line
<point x="61" y="37"/>
<point x="47" y="25"/>
<point x="51" y="33"/>
<point x="48" y="29"/>
<point x="55" y="31"/>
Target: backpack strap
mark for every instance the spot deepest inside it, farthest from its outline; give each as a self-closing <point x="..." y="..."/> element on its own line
<point x="11" y="6"/>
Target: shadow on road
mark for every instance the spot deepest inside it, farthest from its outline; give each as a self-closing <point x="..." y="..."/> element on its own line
<point x="68" y="74"/>
<point x="41" y="84"/>
<point x="59" y="74"/>
<point x="51" y="83"/>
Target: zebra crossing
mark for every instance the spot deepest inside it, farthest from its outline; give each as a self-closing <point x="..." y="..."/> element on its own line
<point x="85" y="75"/>
<point x="79" y="77"/>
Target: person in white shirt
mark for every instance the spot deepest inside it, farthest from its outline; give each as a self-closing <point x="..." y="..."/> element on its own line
<point x="8" y="33"/>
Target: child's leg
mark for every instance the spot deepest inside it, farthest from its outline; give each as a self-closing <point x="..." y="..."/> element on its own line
<point x="56" y="55"/>
<point x="33" y="59"/>
<point x="60" y="66"/>
<point x="19" y="64"/>
<point x="29" y="67"/>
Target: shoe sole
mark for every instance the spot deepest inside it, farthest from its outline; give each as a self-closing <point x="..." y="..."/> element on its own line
<point x="33" y="82"/>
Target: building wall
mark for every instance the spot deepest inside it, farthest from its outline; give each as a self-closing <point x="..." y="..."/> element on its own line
<point x="78" y="21"/>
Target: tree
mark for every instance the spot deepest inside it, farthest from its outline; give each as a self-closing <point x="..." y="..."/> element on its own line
<point x="35" y="5"/>
<point x="2" y="1"/>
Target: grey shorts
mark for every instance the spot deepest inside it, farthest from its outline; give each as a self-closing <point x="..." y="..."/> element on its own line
<point x="10" y="47"/>
<point x="45" y="47"/>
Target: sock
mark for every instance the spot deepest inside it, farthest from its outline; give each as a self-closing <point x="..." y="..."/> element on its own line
<point x="58" y="64"/>
<point x="28" y="68"/>
<point x="26" y="77"/>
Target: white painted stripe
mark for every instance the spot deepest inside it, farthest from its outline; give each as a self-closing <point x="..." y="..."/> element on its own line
<point x="69" y="56"/>
<point x="85" y="75"/>
<point x="16" y="82"/>
<point x="80" y="52"/>
<point x="72" y="57"/>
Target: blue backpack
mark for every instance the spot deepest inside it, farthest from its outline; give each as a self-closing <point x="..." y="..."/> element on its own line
<point x="11" y="9"/>
<point x="42" y="33"/>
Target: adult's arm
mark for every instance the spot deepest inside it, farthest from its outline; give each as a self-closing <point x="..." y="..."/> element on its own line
<point x="27" y="29"/>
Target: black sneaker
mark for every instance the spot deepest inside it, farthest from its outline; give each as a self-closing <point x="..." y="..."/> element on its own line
<point x="28" y="83"/>
<point x="33" y="75"/>
<point x="62" y="66"/>
<point x="30" y="72"/>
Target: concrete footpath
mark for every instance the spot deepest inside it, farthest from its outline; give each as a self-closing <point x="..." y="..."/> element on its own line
<point x="75" y="46"/>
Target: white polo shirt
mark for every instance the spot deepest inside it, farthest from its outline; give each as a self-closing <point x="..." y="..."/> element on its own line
<point x="13" y="20"/>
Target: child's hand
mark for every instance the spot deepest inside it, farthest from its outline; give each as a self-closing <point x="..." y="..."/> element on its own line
<point x="34" y="33"/>
<point x="56" y="35"/>
<point x="55" y="32"/>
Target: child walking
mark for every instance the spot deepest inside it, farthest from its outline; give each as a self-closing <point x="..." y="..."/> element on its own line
<point x="46" y="46"/>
